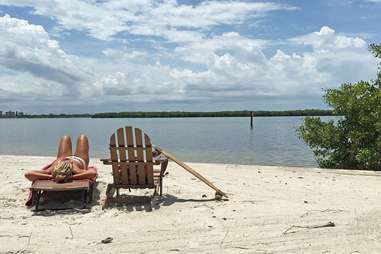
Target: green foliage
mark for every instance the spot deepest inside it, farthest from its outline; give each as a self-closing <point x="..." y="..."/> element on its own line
<point x="376" y="50"/>
<point x="354" y="141"/>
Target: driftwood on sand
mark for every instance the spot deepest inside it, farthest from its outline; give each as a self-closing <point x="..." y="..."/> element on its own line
<point x="294" y="228"/>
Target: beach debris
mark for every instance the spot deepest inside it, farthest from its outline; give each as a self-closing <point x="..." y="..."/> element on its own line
<point x="71" y="233"/>
<point x="305" y="202"/>
<point x="259" y="172"/>
<point x="107" y="240"/>
<point x="294" y="228"/>
<point x="300" y="177"/>
<point x="322" y="211"/>
<point x="223" y="240"/>
<point x="82" y="210"/>
<point x="30" y="237"/>
<point x="218" y="196"/>
<point x="204" y="195"/>
<point x="224" y="218"/>
<point x="243" y="248"/>
<point x="249" y="201"/>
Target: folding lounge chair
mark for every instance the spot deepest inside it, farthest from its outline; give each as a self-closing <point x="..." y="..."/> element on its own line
<point x="132" y="161"/>
<point x="40" y="186"/>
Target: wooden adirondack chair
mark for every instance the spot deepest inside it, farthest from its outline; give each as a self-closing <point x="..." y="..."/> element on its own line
<point x="132" y="161"/>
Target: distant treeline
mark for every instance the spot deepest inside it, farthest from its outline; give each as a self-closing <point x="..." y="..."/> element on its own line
<point x="246" y="113"/>
<point x="58" y="116"/>
<point x="173" y="114"/>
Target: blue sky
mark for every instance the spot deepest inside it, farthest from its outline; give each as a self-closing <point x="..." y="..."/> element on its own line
<point x="81" y="56"/>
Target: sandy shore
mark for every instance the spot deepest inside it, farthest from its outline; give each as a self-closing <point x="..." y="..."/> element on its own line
<point x="264" y="204"/>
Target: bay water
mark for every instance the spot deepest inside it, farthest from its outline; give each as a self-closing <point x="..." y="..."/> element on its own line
<point x="272" y="141"/>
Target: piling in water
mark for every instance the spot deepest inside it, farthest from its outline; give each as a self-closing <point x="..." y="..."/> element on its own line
<point x="251" y="119"/>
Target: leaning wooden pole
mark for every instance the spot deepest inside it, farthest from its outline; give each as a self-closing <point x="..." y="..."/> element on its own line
<point x="192" y="171"/>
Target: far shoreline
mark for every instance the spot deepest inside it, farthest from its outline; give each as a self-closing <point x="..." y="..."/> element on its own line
<point x="183" y="114"/>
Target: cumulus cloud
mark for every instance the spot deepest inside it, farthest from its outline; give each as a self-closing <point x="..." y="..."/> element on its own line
<point x="327" y="39"/>
<point x="227" y="67"/>
<point x="27" y="51"/>
<point x="236" y="63"/>
<point x="202" y="51"/>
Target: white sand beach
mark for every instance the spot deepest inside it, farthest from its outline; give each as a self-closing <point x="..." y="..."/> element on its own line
<point x="270" y="210"/>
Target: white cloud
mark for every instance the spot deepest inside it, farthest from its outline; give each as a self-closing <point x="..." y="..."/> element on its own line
<point x="168" y="19"/>
<point x="126" y="55"/>
<point x="37" y="63"/>
<point x="35" y="70"/>
<point x="326" y="39"/>
<point x="236" y="63"/>
<point x="202" y="51"/>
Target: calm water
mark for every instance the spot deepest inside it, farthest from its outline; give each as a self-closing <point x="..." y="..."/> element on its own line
<point x="273" y="141"/>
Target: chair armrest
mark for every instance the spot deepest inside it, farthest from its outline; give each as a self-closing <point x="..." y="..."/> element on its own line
<point x="106" y="161"/>
<point x="163" y="162"/>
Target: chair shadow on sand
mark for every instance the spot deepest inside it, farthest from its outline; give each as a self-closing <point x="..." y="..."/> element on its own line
<point x="147" y="203"/>
<point x="69" y="202"/>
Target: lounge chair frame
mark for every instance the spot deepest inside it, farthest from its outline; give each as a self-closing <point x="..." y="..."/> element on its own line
<point x="40" y="186"/>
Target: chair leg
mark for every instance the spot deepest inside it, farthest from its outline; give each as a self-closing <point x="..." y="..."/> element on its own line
<point x="105" y="203"/>
<point x="85" y="199"/>
<point x="155" y="191"/>
<point x="161" y="186"/>
<point x="38" y="200"/>
<point x="34" y="197"/>
<point x="109" y="194"/>
<point x="91" y="191"/>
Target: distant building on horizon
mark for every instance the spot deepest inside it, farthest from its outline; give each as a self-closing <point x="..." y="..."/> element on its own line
<point x="11" y="114"/>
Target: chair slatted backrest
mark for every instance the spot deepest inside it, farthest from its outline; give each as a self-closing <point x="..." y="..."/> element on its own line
<point x="131" y="158"/>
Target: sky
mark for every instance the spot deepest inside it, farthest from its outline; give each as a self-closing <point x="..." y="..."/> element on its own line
<point x="87" y="56"/>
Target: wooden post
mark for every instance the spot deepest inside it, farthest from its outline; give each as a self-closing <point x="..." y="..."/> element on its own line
<point x="191" y="170"/>
<point x="251" y="119"/>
